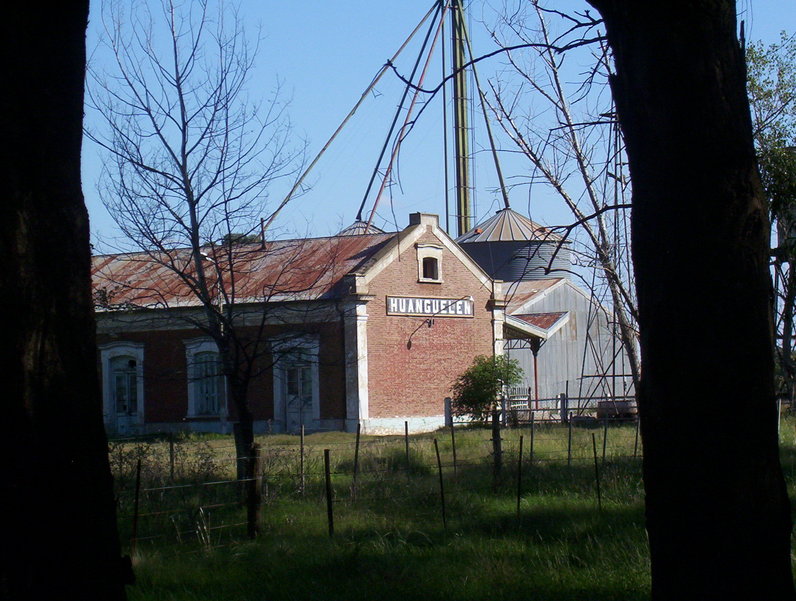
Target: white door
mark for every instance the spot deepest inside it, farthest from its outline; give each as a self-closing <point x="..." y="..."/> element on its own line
<point x="298" y="397"/>
<point x="124" y="391"/>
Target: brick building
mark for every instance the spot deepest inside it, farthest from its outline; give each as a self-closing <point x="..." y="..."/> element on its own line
<point x="364" y="328"/>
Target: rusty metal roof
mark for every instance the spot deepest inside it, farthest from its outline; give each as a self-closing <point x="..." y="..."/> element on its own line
<point x="508" y="226"/>
<point x="534" y="325"/>
<point x="544" y="321"/>
<point x="519" y="293"/>
<point x="284" y="270"/>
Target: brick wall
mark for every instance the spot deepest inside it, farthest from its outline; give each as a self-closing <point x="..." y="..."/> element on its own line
<point x="166" y="377"/>
<point x="406" y="381"/>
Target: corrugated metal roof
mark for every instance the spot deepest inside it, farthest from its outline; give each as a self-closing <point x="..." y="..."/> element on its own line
<point x="359" y="228"/>
<point x="534" y="325"/>
<point x="303" y="269"/>
<point x="544" y="321"/>
<point x="519" y="293"/>
<point x="508" y="226"/>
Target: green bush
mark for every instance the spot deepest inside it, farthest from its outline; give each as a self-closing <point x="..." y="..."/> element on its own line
<point x="477" y="389"/>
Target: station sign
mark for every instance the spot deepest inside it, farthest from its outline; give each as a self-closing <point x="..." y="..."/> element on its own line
<point x="430" y="307"/>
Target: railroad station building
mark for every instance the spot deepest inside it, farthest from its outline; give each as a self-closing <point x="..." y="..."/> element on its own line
<point x="357" y="328"/>
<point x="368" y="328"/>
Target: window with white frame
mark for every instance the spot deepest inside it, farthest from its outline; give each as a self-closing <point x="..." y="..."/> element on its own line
<point x="206" y="382"/>
<point x="122" y="382"/>
<point x="296" y="381"/>
<point x="429" y="263"/>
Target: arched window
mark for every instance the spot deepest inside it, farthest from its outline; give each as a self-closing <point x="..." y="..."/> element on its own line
<point x="207" y="383"/>
<point x="430" y="268"/>
<point x="429" y="263"/>
<point x="123" y="386"/>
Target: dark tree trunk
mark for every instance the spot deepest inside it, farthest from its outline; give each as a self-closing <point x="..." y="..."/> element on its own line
<point x="61" y="540"/>
<point x="238" y="387"/>
<point x="717" y="511"/>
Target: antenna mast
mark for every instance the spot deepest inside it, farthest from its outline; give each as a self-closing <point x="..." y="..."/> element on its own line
<point x="460" y="126"/>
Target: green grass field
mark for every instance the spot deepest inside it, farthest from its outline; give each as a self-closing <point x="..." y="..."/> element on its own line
<point x="389" y="540"/>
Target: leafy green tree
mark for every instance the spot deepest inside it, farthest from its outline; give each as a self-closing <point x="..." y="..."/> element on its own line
<point x="772" y="98"/>
<point x="476" y="391"/>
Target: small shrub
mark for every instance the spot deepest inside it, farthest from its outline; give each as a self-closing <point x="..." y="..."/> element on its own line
<point x="477" y="389"/>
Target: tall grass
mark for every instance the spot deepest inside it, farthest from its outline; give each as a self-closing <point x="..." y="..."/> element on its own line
<point x="389" y="538"/>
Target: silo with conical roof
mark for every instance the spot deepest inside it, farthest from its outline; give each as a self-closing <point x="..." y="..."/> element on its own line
<point x="511" y="247"/>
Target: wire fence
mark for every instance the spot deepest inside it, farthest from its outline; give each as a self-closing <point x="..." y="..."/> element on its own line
<point x="183" y="491"/>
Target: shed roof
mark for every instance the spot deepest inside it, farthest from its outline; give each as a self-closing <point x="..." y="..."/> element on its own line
<point x="544" y="321"/>
<point x="518" y="294"/>
<point x="534" y="325"/>
<point x="508" y="226"/>
<point x="301" y="269"/>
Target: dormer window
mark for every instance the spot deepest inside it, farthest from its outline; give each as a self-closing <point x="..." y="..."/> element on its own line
<point x="429" y="263"/>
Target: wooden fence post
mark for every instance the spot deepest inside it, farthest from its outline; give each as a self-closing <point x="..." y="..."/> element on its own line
<point x="171" y="456"/>
<point x="356" y="464"/>
<point x="497" y="451"/>
<point x="779" y="418"/>
<point x="406" y="442"/>
<point x="635" y="442"/>
<point x="441" y="486"/>
<point x="519" y="478"/>
<point x="134" y="533"/>
<point x="563" y="404"/>
<point x="301" y="463"/>
<point x="329" y="500"/>
<point x="254" y="500"/>
<point x="569" y="441"/>
<point x="453" y="448"/>
<point x="533" y="435"/>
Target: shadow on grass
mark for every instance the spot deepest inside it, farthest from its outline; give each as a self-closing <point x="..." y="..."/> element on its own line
<point x="561" y="548"/>
<point x="555" y="554"/>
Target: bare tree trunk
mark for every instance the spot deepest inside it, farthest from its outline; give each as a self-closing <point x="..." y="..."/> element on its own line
<point x="788" y="306"/>
<point x="717" y="511"/>
<point x="547" y="160"/>
<point x="56" y="484"/>
<point x="244" y="428"/>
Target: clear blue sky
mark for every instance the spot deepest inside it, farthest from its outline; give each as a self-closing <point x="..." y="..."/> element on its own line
<point x="325" y="54"/>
